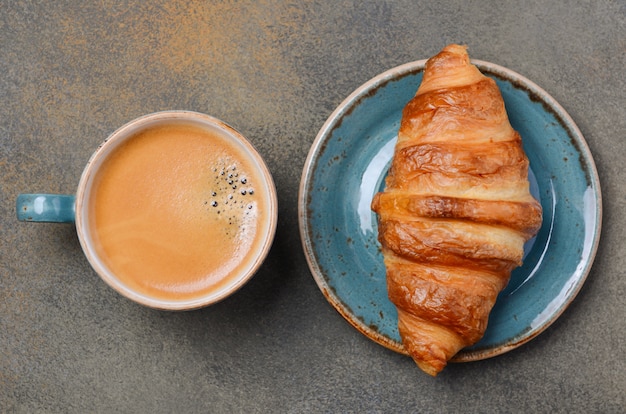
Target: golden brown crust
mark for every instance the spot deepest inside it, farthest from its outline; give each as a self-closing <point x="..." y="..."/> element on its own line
<point x="456" y="209"/>
<point x="447" y="242"/>
<point x="524" y="217"/>
<point x="443" y="295"/>
<point x="434" y="116"/>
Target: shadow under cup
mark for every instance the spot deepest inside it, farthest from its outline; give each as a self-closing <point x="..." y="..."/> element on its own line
<point x="176" y="210"/>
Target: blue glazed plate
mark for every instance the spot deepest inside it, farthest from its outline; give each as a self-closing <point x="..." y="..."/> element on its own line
<point x="348" y="162"/>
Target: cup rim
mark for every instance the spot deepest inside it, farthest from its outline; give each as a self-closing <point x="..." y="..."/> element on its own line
<point x="128" y="130"/>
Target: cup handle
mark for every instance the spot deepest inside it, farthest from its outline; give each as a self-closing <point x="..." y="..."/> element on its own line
<point x="48" y="208"/>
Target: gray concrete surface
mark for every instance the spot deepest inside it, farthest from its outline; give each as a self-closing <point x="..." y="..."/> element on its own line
<point x="72" y="71"/>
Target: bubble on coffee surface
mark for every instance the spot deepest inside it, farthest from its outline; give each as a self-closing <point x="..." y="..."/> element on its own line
<point x="231" y="197"/>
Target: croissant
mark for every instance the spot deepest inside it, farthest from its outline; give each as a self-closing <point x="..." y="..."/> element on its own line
<point x="456" y="209"/>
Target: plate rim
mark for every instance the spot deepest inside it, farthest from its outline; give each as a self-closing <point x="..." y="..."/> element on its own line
<point x="371" y="86"/>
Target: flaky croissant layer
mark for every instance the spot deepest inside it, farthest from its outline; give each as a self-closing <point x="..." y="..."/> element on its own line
<point x="456" y="210"/>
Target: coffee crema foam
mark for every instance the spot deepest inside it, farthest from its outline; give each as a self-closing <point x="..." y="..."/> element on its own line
<point x="176" y="212"/>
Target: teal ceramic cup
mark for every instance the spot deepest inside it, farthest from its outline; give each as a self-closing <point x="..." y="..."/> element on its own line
<point x="79" y="209"/>
<point x="47" y="208"/>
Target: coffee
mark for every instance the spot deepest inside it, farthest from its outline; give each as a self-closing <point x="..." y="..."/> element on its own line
<point x="177" y="211"/>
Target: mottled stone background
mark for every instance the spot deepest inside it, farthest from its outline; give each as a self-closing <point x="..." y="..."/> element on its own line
<point x="73" y="71"/>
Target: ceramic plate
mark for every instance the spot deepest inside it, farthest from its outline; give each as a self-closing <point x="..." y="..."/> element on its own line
<point x="347" y="165"/>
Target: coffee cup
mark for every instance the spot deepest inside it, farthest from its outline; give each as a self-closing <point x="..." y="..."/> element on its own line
<point x="175" y="210"/>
